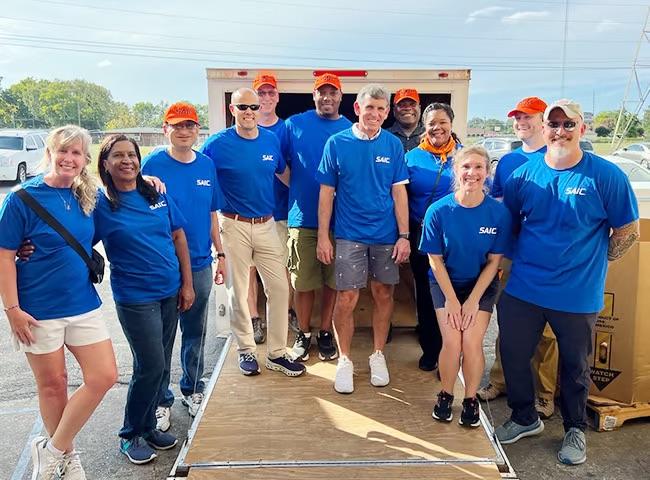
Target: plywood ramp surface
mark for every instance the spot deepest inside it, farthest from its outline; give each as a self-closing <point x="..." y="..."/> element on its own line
<point x="273" y="418"/>
<point x="429" y="472"/>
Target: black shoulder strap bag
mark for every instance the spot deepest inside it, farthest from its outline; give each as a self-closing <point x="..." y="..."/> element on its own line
<point x="420" y="226"/>
<point x="95" y="263"/>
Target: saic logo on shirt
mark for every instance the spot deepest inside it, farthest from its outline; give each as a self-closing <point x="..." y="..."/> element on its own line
<point x="267" y="158"/>
<point x="203" y="183"/>
<point x="380" y="159"/>
<point x="158" y="205"/>
<point x="575" y="191"/>
<point x="487" y="230"/>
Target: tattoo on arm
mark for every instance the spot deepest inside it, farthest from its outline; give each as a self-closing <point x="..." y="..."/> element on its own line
<point x="622" y="240"/>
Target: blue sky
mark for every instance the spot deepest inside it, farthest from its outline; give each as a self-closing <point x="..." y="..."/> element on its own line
<point x="157" y="50"/>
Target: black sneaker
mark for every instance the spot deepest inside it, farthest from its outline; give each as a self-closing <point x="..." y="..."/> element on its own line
<point x="326" y="347"/>
<point x="285" y="365"/>
<point x="442" y="408"/>
<point x="427" y="363"/>
<point x="248" y="364"/>
<point x="300" y="349"/>
<point x="469" y="417"/>
<point x="160" y="440"/>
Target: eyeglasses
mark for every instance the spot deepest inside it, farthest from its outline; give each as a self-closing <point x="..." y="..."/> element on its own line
<point x="243" y="107"/>
<point x="184" y="126"/>
<point x="568" y="125"/>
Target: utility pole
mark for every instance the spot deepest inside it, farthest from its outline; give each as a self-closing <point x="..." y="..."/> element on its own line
<point x="622" y="126"/>
<point x="566" y="33"/>
<point x="78" y="114"/>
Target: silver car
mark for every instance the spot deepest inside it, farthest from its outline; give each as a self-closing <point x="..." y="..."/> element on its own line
<point x="639" y="152"/>
<point x="640" y="180"/>
<point x="497" y="147"/>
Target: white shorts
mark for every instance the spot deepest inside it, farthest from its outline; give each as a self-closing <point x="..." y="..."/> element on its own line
<point x="76" y="331"/>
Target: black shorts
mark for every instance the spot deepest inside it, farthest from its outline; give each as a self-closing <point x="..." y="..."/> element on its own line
<point x="485" y="304"/>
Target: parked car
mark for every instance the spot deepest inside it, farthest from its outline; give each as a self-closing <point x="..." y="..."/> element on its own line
<point x="640" y="180"/>
<point x="21" y="152"/>
<point x="639" y="152"/>
<point x="497" y="147"/>
<point x="586" y="145"/>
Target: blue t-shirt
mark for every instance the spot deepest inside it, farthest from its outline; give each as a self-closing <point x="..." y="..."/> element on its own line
<point x="423" y="168"/>
<point x="194" y="189"/>
<point x="280" y="190"/>
<point x="363" y="173"/>
<point x="306" y="134"/>
<point x="508" y="164"/>
<point x="245" y="170"/>
<point x="137" y="238"/>
<point x="563" y="219"/>
<point x="465" y="236"/>
<point x="55" y="281"/>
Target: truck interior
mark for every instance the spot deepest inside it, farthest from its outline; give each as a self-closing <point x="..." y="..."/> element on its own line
<point x="292" y="103"/>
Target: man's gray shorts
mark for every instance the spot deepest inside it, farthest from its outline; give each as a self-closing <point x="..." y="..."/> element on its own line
<point x="355" y="262"/>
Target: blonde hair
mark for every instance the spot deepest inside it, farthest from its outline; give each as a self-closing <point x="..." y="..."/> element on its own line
<point x="84" y="186"/>
<point x="465" y="152"/>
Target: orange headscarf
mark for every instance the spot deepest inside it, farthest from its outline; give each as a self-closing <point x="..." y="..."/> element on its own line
<point x="442" y="151"/>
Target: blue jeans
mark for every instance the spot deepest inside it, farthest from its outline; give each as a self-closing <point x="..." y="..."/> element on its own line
<point x="150" y="329"/>
<point x="193" y="326"/>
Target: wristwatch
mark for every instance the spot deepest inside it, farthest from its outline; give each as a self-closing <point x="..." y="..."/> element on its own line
<point x="221" y="255"/>
<point x="405" y="235"/>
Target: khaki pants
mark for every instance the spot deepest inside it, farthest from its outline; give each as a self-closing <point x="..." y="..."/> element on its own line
<point x="545" y="361"/>
<point x="248" y="244"/>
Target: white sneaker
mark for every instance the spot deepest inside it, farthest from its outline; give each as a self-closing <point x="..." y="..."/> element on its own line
<point x="73" y="469"/>
<point x="163" y="418"/>
<point x="46" y="465"/>
<point x="378" y="370"/>
<point x="193" y="403"/>
<point x="343" y="381"/>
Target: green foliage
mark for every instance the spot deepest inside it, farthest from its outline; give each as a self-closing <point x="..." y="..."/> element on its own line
<point x="608" y="120"/>
<point x="602" y="131"/>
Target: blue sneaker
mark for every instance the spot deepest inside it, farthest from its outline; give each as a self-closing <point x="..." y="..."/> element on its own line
<point x="137" y="450"/>
<point x="510" y="431"/>
<point x="248" y="364"/>
<point x="160" y="440"/>
<point x="574" y="448"/>
<point x="285" y="365"/>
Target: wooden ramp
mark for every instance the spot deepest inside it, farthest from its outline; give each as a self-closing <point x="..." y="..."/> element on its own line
<point x="272" y="427"/>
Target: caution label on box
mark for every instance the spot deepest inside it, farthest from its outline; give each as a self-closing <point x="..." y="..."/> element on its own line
<point x="603" y="377"/>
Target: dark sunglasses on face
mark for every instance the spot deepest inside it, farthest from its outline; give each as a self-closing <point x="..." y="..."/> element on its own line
<point x="569" y="125"/>
<point x="243" y="106"/>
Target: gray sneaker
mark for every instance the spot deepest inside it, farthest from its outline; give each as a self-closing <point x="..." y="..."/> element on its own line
<point x="574" y="448"/>
<point x="259" y="334"/>
<point x="510" y="431"/>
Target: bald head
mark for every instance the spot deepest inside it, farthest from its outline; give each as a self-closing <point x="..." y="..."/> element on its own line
<point x="244" y="95"/>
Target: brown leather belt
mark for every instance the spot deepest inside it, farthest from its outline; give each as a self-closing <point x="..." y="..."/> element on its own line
<point x="253" y="220"/>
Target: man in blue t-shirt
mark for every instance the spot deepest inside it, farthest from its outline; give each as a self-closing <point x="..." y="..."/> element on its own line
<point x="364" y="165"/>
<point x="307" y="133"/>
<point x="527" y="122"/>
<point x="247" y="160"/>
<point x="191" y="182"/>
<point x="563" y="209"/>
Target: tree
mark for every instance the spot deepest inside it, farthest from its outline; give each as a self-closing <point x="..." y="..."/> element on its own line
<point x="646" y="120"/>
<point x="602" y="131"/>
<point x="202" y="111"/>
<point x="121" y="117"/>
<point x="608" y="120"/>
<point x="149" y="115"/>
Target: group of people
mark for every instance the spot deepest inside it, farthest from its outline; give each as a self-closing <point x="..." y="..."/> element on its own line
<point x="315" y="203"/>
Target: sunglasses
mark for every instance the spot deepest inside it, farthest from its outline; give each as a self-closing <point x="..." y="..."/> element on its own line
<point x="568" y="125"/>
<point x="243" y="107"/>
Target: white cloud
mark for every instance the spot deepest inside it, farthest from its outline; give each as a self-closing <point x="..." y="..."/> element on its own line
<point x="607" y="26"/>
<point x="104" y="63"/>
<point x="523" y="16"/>
<point x="485" y="12"/>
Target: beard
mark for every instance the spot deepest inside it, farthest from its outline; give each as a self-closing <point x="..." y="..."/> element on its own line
<point x="557" y="152"/>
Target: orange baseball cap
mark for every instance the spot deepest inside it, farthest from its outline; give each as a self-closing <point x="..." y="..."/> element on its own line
<point x="403" y="93"/>
<point x="179" y="112"/>
<point x="327" y="79"/>
<point x="529" y="105"/>
<point x="265" y="79"/>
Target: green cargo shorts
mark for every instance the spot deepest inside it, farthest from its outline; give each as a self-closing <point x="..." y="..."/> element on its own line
<point x="307" y="272"/>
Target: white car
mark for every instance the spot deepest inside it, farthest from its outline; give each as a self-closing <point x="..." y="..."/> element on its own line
<point x="639" y="152"/>
<point x="21" y="151"/>
<point x="640" y="180"/>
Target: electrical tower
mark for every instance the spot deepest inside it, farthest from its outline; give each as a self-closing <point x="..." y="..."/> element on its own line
<point x="633" y="102"/>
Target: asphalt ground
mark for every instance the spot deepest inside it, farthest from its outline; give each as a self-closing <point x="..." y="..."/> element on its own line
<point x="617" y="455"/>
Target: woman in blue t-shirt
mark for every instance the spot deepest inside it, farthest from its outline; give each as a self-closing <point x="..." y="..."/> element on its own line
<point x="50" y="301"/>
<point x="430" y="178"/>
<point x="465" y="235"/>
<point x="151" y="279"/>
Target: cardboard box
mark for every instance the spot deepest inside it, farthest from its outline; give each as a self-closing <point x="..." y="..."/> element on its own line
<point x="620" y="366"/>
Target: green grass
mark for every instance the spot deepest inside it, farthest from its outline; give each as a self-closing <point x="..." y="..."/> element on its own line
<point x="94" y="154"/>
